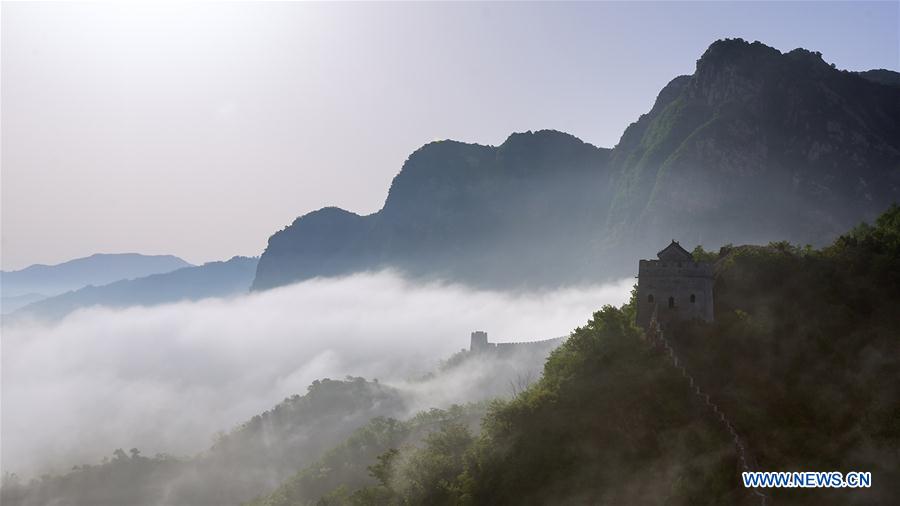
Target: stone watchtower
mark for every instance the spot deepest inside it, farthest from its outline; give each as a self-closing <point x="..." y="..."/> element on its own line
<point x="479" y="341"/>
<point x="676" y="285"/>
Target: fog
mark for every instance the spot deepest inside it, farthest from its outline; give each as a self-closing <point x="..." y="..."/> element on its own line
<point x="167" y="378"/>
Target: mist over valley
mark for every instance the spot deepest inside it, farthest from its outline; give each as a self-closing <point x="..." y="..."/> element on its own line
<point x="538" y="322"/>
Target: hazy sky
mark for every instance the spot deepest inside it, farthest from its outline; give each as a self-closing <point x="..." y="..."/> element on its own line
<point x="200" y="129"/>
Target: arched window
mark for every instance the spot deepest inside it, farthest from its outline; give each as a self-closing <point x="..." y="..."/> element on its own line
<point x="693" y="298"/>
<point x="671" y="302"/>
<point x="650" y="298"/>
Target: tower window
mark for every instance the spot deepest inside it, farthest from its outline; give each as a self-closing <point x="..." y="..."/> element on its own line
<point x="650" y="298"/>
<point x="693" y="298"/>
<point x="671" y="302"/>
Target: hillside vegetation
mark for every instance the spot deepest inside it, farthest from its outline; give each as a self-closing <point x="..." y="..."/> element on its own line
<point x="345" y="468"/>
<point x="251" y="459"/>
<point x="802" y="356"/>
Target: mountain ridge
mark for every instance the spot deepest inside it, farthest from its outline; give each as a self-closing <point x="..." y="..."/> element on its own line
<point x="545" y="208"/>
<point x="449" y="191"/>
<point x="41" y="280"/>
<point x="212" y="279"/>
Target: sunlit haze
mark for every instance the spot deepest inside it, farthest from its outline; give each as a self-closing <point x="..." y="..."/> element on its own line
<point x="200" y="129"/>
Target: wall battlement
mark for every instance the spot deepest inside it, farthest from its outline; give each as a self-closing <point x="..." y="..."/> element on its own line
<point x="652" y="268"/>
<point x="479" y="344"/>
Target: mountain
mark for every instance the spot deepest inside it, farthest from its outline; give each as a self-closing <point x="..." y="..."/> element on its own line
<point x="882" y="76"/>
<point x="212" y="279"/>
<point x="99" y="269"/>
<point x="755" y="145"/>
<point x="459" y="211"/>
<point x="10" y="304"/>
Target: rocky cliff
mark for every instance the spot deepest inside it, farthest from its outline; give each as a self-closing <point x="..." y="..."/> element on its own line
<point x="755" y="145"/>
<point x="478" y="214"/>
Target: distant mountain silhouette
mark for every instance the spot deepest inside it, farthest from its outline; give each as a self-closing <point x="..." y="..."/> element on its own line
<point x="756" y="145"/>
<point x="882" y="76"/>
<point x="99" y="269"/>
<point x="213" y="279"/>
<point x="12" y="303"/>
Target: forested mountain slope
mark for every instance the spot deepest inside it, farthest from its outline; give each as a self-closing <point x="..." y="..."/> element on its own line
<point x="802" y="357"/>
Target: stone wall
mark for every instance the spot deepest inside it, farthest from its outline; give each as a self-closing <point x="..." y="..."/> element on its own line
<point x="480" y="344"/>
<point x="678" y="291"/>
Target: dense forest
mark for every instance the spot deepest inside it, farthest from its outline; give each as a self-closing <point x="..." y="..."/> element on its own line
<point x="802" y="356"/>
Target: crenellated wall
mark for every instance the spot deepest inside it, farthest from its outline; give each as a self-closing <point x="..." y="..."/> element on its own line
<point x="480" y="344"/>
<point x="661" y="268"/>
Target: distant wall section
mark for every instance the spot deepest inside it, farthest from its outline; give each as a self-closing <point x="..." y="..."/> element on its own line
<point x="479" y="344"/>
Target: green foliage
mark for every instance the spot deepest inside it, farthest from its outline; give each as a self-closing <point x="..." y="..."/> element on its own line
<point x="428" y="475"/>
<point x="802" y="357"/>
<point x="630" y="309"/>
<point x="360" y="470"/>
<point x="608" y="412"/>
<point x="455" y="360"/>
<point x="701" y="255"/>
<point x="122" y="479"/>
<point x="601" y="414"/>
<point x="269" y="447"/>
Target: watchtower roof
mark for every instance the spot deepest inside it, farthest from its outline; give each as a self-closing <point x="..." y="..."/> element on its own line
<point x="675" y="253"/>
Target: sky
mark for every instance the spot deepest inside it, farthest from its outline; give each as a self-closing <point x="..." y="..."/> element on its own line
<point x="199" y="129"/>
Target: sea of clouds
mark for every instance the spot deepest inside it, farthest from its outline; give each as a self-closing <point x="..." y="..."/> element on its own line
<point x="166" y="378"/>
